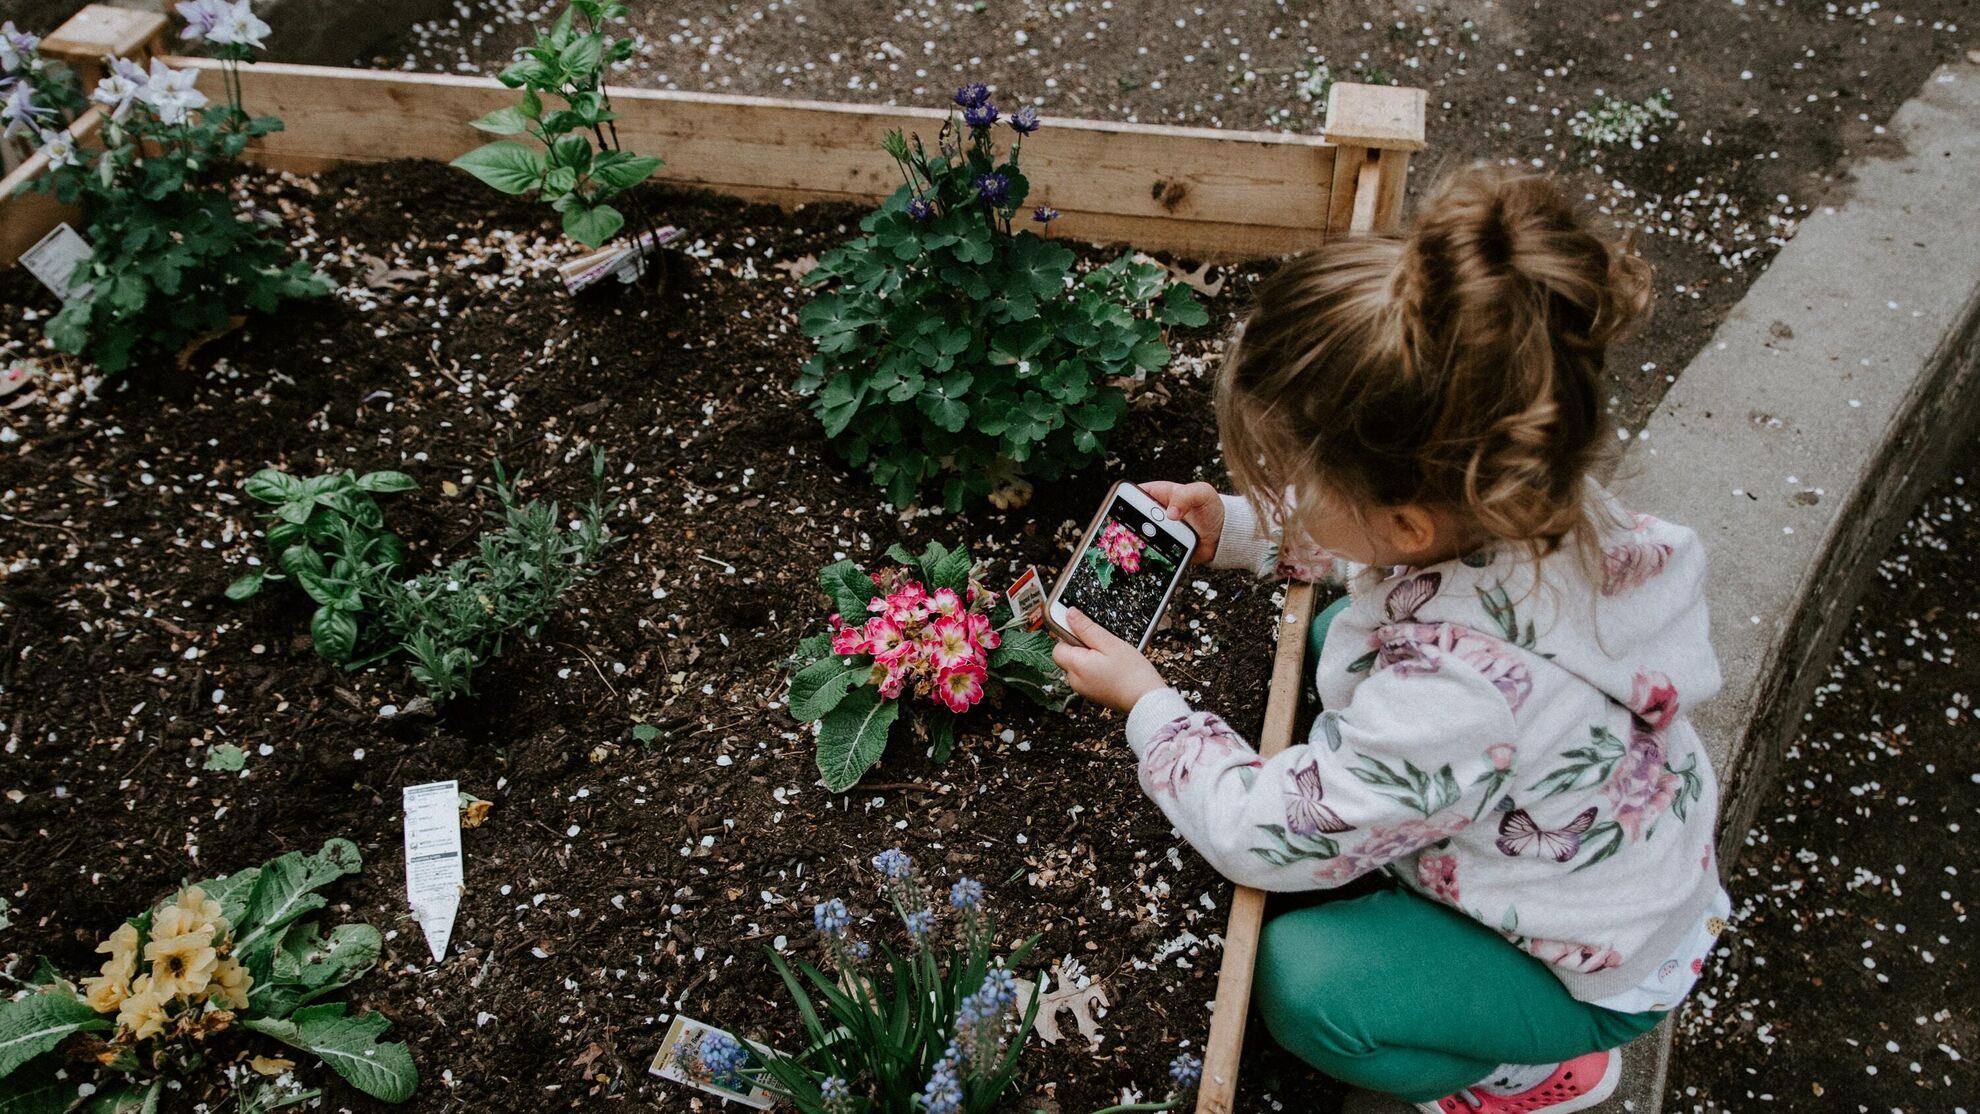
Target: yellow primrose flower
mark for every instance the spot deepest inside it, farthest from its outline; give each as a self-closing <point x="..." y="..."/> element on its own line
<point x="192" y="913"/>
<point x="182" y="965"/>
<point x="232" y="981"/>
<point x="106" y="993"/>
<point x="143" y="1012"/>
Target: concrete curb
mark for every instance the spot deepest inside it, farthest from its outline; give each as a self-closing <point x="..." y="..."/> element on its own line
<point x="1799" y="441"/>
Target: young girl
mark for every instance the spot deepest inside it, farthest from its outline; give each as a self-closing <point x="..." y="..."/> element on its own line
<point x="1503" y="684"/>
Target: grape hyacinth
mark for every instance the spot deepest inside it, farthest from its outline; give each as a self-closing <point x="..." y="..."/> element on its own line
<point x="971" y="95"/>
<point x="893" y="864"/>
<point x="723" y="1056"/>
<point x="980" y="1017"/>
<point x="966" y="894"/>
<point x="980" y="116"/>
<point x="920" y="923"/>
<point x="1185" y="1070"/>
<point x="837" y="1095"/>
<point x="993" y="188"/>
<point x="943" y="1094"/>
<point x="1025" y="120"/>
<point x="831" y="918"/>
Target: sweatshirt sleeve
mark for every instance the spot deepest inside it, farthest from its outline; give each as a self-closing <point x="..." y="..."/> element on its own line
<point x="1249" y="543"/>
<point x="1417" y="755"/>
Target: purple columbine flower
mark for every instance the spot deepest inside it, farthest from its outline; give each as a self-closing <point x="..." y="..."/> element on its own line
<point x="971" y="95"/>
<point x="981" y="116"/>
<point x="201" y="16"/>
<point x="1044" y="214"/>
<point x="920" y="209"/>
<point x="1025" y="120"/>
<point x="20" y="113"/>
<point x="993" y="188"/>
<point x="16" y="47"/>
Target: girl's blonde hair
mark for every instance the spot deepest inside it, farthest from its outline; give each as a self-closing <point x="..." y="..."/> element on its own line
<point x="1456" y="366"/>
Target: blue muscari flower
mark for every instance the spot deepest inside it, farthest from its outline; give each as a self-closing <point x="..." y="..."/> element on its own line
<point x="1185" y="1070"/>
<point x="943" y="1094"/>
<point x="1044" y="214"/>
<point x="837" y="1095"/>
<point x="831" y="918"/>
<point x="981" y="116"/>
<point x="980" y="1016"/>
<point x="999" y="986"/>
<point x="920" y="208"/>
<point x="966" y="894"/>
<point x="993" y="188"/>
<point x="1025" y="120"/>
<point x="920" y="922"/>
<point x="861" y="951"/>
<point x="893" y="864"/>
<point x="971" y="95"/>
<point x="722" y="1055"/>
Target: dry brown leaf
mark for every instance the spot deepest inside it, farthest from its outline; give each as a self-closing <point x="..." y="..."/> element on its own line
<point x="271" y="1065"/>
<point x="380" y="275"/>
<point x="796" y="268"/>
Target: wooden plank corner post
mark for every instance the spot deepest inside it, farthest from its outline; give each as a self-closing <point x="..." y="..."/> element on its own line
<point x="81" y="43"/>
<point x="1375" y="129"/>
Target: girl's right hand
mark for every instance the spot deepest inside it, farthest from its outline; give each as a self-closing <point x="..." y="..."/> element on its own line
<point x="1196" y="506"/>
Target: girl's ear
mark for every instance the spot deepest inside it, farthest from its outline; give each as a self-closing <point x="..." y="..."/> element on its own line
<point x="1413" y="529"/>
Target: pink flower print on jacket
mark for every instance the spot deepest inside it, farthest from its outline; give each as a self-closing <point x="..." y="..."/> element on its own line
<point x="1183" y="744"/>
<point x="1384" y="846"/>
<point x="1585" y="959"/>
<point x="1305" y="814"/>
<point x="1629" y="565"/>
<point x="1642" y="787"/>
<point x="1437" y="874"/>
<point x="1653" y="699"/>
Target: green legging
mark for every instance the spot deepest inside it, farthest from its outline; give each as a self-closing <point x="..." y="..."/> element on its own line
<point x="1396" y="993"/>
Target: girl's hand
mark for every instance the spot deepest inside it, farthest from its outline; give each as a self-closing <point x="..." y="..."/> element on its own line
<point x="1196" y="506"/>
<point x="1105" y="669"/>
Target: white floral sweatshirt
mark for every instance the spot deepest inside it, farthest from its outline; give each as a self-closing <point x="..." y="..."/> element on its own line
<point x="1517" y="752"/>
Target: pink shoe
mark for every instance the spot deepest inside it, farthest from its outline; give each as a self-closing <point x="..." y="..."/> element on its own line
<point x="1575" y="1085"/>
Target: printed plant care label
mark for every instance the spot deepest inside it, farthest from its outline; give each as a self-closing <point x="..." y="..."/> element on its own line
<point x="623" y="263"/>
<point x="1027" y="598"/>
<point x="53" y="259"/>
<point x="710" y="1059"/>
<point x="434" y="874"/>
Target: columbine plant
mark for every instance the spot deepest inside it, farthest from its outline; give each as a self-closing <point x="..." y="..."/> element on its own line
<point x="174" y="259"/>
<point x="581" y="167"/>
<point x="933" y="1030"/>
<point x="953" y="348"/>
<point x="329" y="536"/>
<point x="38" y="96"/>
<point x="927" y="631"/>
<point x="228" y="953"/>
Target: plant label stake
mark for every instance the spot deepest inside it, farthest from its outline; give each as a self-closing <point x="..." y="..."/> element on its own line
<point x="1220" y="1053"/>
<point x="53" y="259"/>
<point x="434" y="874"/>
<point x="680" y="1060"/>
<point x="624" y="263"/>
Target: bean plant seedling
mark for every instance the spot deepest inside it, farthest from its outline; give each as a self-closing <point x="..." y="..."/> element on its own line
<point x="582" y="167"/>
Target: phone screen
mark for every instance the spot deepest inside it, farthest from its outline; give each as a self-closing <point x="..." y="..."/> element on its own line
<point x="1122" y="577"/>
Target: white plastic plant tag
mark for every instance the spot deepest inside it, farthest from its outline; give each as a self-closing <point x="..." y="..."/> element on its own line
<point x="680" y="1060"/>
<point x="53" y="259"/>
<point x="434" y="874"/>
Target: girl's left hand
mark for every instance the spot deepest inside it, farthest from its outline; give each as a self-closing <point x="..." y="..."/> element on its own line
<point x="1105" y="670"/>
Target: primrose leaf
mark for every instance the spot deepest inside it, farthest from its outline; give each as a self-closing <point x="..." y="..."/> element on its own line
<point x="350" y="1046"/>
<point x="39" y="1022"/>
<point x="284" y="890"/>
<point x="817" y="688"/>
<point x="853" y="736"/>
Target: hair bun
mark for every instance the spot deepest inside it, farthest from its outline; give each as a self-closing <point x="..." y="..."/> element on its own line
<point x="1489" y="225"/>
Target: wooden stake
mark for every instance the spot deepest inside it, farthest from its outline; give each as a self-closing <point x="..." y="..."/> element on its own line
<point x="1375" y="128"/>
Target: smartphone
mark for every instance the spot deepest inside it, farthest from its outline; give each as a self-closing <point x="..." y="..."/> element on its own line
<point x="1125" y="569"/>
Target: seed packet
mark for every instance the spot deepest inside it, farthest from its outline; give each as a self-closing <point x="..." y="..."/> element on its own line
<point x="1027" y="598"/>
<point x="680" y="1060"/>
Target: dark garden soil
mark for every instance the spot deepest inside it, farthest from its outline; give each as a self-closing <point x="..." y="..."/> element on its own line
<point x="1771" y="98"/>
<point x="614" y="883"/>
<point x="1849" y="983"/>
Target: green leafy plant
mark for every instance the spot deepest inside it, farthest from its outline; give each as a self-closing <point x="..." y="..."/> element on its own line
<point x="953" y="349"/>
<point x="935" y="1029"/>
<point x="330" y="538"/>
<point x="581" y="166"/>
<point x="174" y="260"/>
<point x="926" y="629"/>
<point x="237" y="952"/>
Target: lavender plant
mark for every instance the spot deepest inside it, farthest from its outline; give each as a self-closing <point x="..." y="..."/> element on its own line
<point x="582" y="167"/>
<point x="934" y="1029"/>
<point x="174" y="257"/>
<point x="955" y="349"/>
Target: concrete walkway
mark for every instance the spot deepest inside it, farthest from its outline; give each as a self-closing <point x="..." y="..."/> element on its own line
<point x="1798" y="442"/>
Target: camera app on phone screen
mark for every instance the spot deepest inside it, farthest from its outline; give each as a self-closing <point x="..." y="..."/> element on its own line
<point x="1120" y="579"/>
